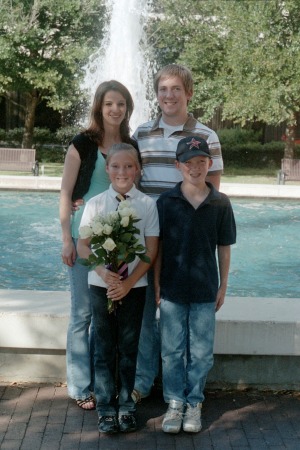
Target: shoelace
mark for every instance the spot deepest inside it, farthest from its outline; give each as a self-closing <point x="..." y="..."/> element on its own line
<point x="174" y="413"/>
<point x="193" y="412"/>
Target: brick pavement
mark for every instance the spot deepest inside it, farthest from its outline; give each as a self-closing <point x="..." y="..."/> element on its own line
<point x="42" y="417"/>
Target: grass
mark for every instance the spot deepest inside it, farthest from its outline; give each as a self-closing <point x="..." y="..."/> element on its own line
<point x="231" y="174"/>
<point x="50" y="170"/>
<point x="249" y="175"/>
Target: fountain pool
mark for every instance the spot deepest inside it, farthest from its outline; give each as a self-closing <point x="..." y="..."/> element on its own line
<point x="265" y="260"/>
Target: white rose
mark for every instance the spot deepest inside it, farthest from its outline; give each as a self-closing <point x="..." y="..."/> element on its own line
<point x="109" y="245"/>
<point x="113" y="216"/>
<point x="85" y="232"/>
<point x="107" y="229"/>
<point x="124" y="212"/>
<point x="125" y="221"/>
<point x="124" y="204"/>
<point x="97" y="228"/>
<point x="133" y="213"/>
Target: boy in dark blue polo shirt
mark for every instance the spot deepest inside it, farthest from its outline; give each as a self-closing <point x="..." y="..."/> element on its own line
<point x="196" y="222"/>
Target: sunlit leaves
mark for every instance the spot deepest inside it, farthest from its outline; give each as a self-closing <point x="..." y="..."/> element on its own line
<point x="44" y="45"/>
<point x="244" y="55"/>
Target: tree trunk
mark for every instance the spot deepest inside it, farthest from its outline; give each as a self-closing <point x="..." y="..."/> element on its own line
<point x="289" y="149"/>
<point x="32" y="100"/>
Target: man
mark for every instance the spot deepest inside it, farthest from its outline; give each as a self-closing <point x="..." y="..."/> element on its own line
<point x="157" y="141"/>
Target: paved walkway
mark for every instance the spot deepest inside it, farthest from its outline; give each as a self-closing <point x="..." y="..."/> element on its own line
<point x="34" y="417"/>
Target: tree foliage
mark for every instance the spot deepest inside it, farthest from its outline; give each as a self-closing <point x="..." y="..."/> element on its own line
<point x="44" y="45"/>
<point x="244" y="55"/>
<point x="261" y="71"/>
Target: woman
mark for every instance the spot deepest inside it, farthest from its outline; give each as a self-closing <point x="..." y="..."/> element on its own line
<point x="84" y="177"/>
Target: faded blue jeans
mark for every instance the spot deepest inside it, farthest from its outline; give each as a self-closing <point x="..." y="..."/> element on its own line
<point x="147" y="368"/>
<point x="187" y="334"/>
<point x="80" y="335"/>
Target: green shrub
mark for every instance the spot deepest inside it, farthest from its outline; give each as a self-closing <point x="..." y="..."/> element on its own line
<point x="50" y="153"/>
<point x="43" y="136"/>
<point x="274" y="146"/>
<point x="233" y="136"/>
<point x="12" y="137"/>
<point x="65" y="134"/>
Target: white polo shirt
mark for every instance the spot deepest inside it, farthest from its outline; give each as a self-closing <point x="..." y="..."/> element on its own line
<point x="145" y="209"/>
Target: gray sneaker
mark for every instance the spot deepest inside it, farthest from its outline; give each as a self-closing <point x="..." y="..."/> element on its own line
<point x="173" y="417"/>
<point x="192" y="418"/>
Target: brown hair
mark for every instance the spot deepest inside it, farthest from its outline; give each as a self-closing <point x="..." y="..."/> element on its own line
<point x="96" y="129"/>
<point x="175" y="70"/>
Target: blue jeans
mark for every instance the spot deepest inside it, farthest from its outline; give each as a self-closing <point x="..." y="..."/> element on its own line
<point x="116" y="345"/>
<point x="187" y="333"/>
<point x="79" y="337"/>
<point x="147" y="367"/>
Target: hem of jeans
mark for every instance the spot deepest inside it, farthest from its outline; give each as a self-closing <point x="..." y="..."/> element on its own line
<point x="80" y="396"/>
<point x="102" y="413"/>
<point x="193" y="404"/>
<point x="141" y="392"/>
<point x="176" y="399"/>
<point x="126" y="411"/>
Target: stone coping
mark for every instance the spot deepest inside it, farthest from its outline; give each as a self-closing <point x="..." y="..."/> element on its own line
<point x="245" y="326"/>
<point x="43" y="183"/>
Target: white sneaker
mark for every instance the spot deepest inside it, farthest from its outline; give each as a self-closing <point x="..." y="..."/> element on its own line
<point x="192" y="418"/>
<point x="173" y="418"/>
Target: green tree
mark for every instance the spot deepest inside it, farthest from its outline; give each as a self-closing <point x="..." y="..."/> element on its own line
<point x="191" y="32"/>
<point x="261" y="70"/>
<point x="244" y="54"/>
<point x="44" y="45"/>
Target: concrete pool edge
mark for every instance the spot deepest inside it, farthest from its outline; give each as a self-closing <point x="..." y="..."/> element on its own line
<point x="34" y="344"/>
<point x="257" y="340"/>
<point x="42" y="183"/>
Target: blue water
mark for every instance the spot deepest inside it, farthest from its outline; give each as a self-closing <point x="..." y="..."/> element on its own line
<point x="265" y="261"/>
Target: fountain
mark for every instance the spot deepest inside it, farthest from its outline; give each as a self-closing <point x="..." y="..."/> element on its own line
<point x="123" y="56"/>
<point x="257" y="331"/>
<point x="31" y="259"/>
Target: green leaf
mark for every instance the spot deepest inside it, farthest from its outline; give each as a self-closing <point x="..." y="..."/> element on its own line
<point x="130" y="257"/>
<point x="144" y="258"/>
<point x="125" y="237"/>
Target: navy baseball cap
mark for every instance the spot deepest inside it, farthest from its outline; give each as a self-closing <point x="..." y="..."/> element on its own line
<point x="190" y="147"/>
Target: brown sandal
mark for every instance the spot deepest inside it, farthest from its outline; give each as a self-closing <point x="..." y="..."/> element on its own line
<point x="83" y="403"/>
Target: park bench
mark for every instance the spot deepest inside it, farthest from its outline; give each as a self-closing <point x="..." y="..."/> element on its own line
<point x="290" y="170"/>
<point x="19" y="159"/>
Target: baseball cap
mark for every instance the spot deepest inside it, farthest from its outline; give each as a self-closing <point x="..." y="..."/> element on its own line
<point x="191" y="146"/>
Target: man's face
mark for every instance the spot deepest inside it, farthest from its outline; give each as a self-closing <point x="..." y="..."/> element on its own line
<point x="172" y="97"/>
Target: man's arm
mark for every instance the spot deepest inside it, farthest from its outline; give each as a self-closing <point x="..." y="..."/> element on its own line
<point x="157" y="270"/>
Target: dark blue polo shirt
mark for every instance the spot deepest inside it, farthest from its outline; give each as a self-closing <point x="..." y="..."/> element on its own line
<point x="190" y="238"/>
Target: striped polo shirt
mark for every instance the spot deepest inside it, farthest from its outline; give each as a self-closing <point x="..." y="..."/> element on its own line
<point x="158" y="153"/>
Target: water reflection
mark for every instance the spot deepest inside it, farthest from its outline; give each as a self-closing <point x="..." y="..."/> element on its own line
<point x="265" y="260"/>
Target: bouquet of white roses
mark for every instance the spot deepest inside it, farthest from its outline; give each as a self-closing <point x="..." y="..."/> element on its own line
<point x="113" y="240"/>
